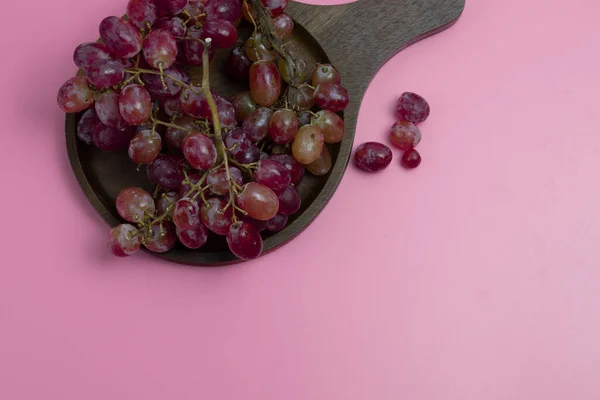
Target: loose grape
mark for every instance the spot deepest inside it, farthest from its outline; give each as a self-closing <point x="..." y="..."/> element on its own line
<point x="105" y="73"/>
<point x="273" y="175"/>
<point x="244" y="241"/>
<point x="135" y="104"/>
<point x="174" y="25"/>
<point x="87" y="124"/>
<point x="331" y="125"/>
<point x="176" y="136"/>
<point x="411" y="159"/>
<point x="322" y="165"/>
<point x="308" y="145"/>
<point x="372" y="156"/>
<point x="186" y="214"/>
<point x="283" y="126"/>
<point x="276" y="7"/>
<point x="302" y="97"/>
<point x="237" y="66"/>
<point x="170" y="7"/>
<point x="87" y="53"/>
<point x="257" y="124"/>
<point x="75" y="95"/>
<point x="121" y="37"/>
<point x="141" y="12"/>
<point x="124" y="240"/>
<point x="160" y="48"/>
<point x="215" y="217"/>
<point x="325" y="73"/>
<point x="199" y="150"/>
<point x="107" y="138"/>
<point x="277" y="223"/>
<point x="166" y="171"/>
<point x="217" y="180"/>
<point x="296" y="169"/>
<point x="257" y="49"/>
<point x="258" y="201"/>
<point x="163" y="237"/>
<point x="165" y="204"/>
<point x="284" y="25"/>
<point x="265" y="83"/>
<point x="134" y="203"/>
<point x="289" y="201"/>
<point x="145" y="147"/>
<point x="223" y="33"/>
<point x="332" y="97"/>
<point x="107" y="108"/>
<point x="405" y="135"/>
<point x="193" y="238"/>
<point x="413" y="108"/>
<point x="244" y="105"/>
<point x="229" y="10"/>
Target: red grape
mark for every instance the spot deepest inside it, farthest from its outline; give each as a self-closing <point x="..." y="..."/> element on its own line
<point x="273" y="175"/>
<point x="170" y="7"/>
<point x="244" y="240"/>
<point x="199" y="150"/>
<point x="258" y="225"/>
<point x="325" y="73"/>
<point x="413" y="108"/>
<point x="186" y="214"/>
<point x="124" y="240"/>
<point x="223" y="33"/>
<point x="244" y="105"/>
<point x="226" y="112"/>
<point x="331" y="125"/>
<point x="251" y="155"/>
<point x="405" y="135"/>
<point x="258" y="201"/>
<point x="121" y="37"/>
<point x="265" y="83"/>
<point x="229" y="10"/>
<point x="322" y="165"/>
<point x="155" y="85"/>
<point x="296" y="169"/>
<point x="107" y="108"/>
<point x="257" y="124"/>
<point x="308" y="145"/>
<point x="87" y="124"/>
<point x="172" y="106"/>
<point x="87" y="53"/>
<point x="163" y="237"/>
<point x="105" y="73"/>
<point x="186" y="187"/>
<point x="275" y="6"/>
<point x="236" y="141"/>
<point x="135" y="104"/>
<point x="141" y="12"/>
<point x="145" y="147"/>
<point x="193" y="49"/>
<point x="284" y="25"/>
<point x="217" y="180"/>
<point x="195" y="8"/>
<point x="166" y="202"/>
<point x="193" y="238"/>
<point x="411" y="159"/>
<point x="332" y="97"/>
<point x="214" y="217"/>
<point x="174" y="25"/>
<point x="166" y="171"/>
<point x="237" y="66"/>
<point x="176" y="136"/>
<point x="75" y="95"/>
<point x="160" y="48"/>
<point x="194" y="102"/>
<point x="107" y="138"/>
<point x="134" y="203"/>
<point x="277" y="223"/>
<point x="289" y="201"/>
<point x="283" y="126"/>
<point x="372" y="156"/>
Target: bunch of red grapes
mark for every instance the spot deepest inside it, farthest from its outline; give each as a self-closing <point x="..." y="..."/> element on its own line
<point x="227" y="166"/>
<point x="404" y="134"/>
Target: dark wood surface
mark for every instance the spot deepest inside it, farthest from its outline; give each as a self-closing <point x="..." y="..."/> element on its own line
<point x="358" y="38"/>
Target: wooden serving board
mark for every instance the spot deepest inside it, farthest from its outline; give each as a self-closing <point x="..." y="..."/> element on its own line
<point x="358" y="38"/>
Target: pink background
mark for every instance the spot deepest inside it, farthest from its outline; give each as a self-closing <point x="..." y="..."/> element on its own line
<point x="478" y="281"/>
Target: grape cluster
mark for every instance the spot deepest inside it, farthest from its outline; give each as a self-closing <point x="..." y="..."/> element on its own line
<point x="404" y="134"/>
<point x="228" y="166"/>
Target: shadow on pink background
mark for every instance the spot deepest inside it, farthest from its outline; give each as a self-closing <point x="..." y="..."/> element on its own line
<point x="474" y="277"/>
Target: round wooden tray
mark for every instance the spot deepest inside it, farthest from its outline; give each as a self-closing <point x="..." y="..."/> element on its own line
<point x="356" y="37"/>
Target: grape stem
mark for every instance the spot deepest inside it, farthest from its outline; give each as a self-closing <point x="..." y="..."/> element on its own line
<point x="220" y="144"/>
<point x="138" y="71"/>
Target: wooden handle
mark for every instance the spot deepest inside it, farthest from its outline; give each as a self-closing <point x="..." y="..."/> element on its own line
<point x="360" y="37"/>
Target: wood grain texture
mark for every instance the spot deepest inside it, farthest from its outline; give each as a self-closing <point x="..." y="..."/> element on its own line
<point x="358" y="38"/>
